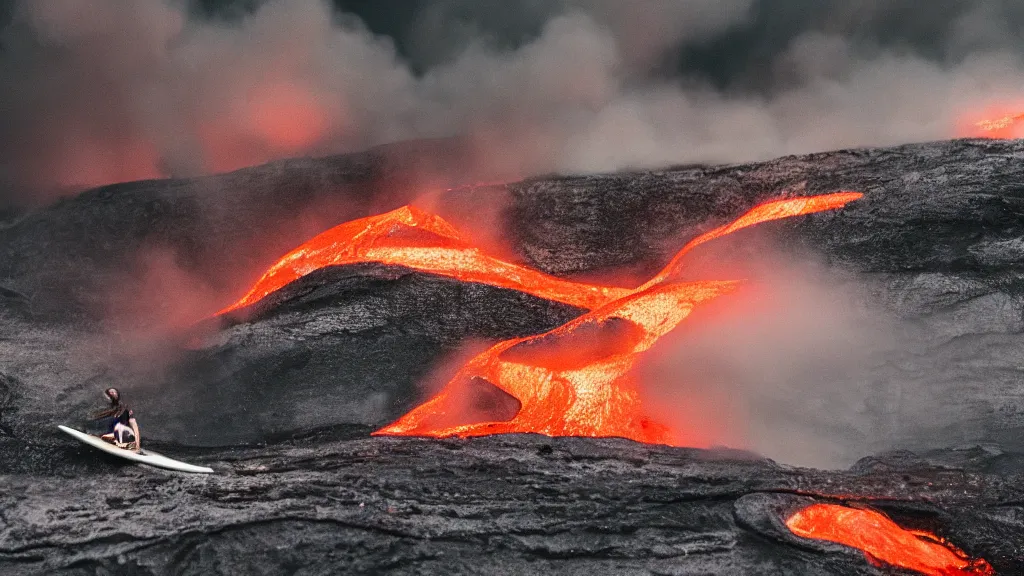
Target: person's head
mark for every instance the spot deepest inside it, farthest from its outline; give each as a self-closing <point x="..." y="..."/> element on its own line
<point x="113" y="395"/>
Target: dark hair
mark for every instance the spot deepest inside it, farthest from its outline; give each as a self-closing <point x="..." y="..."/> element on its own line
<point x="116" y="405"/>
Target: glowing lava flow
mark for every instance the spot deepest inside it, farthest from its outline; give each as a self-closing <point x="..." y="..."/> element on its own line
<point x="412" y="238"/>
<point x="883" y="541"/>
<point x="575" y="380"/>
<point x="1005" y="127"/>
<point x="999" y="122"/>
<point x="774" y="210"/>
<point x="572" y="381"/>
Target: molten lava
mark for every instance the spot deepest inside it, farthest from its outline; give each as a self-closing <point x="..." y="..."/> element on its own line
<point x="1000" y="122"/>
<point x="582" y="387"/>
<point x="572" y="381"/>
<point x="411" y="238"/>
<point x="577" y="380"/>
<point x="585" y="387"/>
<point x="774" y="210"/>
<point x="883" y="541"/>
<point x="1005" y="127"/>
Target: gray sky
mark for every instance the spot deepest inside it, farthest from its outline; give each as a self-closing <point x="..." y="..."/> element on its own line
<point x="99" y="91"/>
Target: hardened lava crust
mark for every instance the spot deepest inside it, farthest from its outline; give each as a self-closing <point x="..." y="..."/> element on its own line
<point x="280" y="398"/>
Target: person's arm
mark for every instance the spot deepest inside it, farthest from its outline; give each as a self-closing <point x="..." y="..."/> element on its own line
<point x="138" y="437"/>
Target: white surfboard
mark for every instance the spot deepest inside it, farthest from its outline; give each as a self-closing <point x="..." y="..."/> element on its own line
<point x="143" y="457"/>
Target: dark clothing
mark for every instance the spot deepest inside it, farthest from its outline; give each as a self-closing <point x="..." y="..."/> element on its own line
<point x="116" y="421"/>
<point x="125" y="415"/>
<point x="119" y="414"/>
<point x="104" y="425"/>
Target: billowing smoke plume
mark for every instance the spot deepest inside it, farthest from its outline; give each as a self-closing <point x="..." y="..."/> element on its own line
<point x="786" y="367"/>
<point x="813" y="366"/>
<point x="644" y="31"/>
<point x="105" y="91"/>
<point x="98" y="91"/>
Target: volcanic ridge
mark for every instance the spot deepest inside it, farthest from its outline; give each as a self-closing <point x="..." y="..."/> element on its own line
<point x="522" y="366"/>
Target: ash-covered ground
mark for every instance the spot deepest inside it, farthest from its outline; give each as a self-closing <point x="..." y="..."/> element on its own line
<point x="280" y="400"/>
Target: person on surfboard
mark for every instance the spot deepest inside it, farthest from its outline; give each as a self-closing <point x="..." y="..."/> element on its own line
<point x="122" y="429"/>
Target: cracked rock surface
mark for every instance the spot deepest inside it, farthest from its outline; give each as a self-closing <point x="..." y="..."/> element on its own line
<point x="503" y="505"/>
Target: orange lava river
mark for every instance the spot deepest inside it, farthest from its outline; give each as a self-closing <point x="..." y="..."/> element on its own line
<point x="412" y="238"/>
<point x="883" y="542"/>
<point x="577" y="380"/>
<point x="572" y="381"/>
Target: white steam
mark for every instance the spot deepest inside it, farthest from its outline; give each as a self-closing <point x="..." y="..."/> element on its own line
<point x="786" y="367"/>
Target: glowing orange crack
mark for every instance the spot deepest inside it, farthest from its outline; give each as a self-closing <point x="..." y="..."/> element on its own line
<point x="774" y="210"/>
<point x="883" y="541"/>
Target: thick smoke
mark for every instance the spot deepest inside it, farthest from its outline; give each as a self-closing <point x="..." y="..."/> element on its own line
<point x="644" y="30"/>
<point x="107" y="91"/>
<point x="782" y="367"/>
<point x="812" y="366"/>
<point x="99" y="91"/>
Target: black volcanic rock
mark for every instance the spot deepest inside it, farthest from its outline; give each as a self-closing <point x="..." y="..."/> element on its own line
<point x="504" y="505"/>
<point x="342" y="345"/>
<point x="220" y="228"/>
<point x="936" y="240"/>
<point x="951" y="207"/>
<point x="936" y="245"/>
